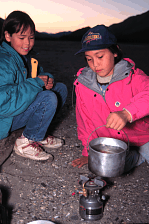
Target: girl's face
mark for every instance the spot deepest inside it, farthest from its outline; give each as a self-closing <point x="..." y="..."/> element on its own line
<point x="21" y="42"/>
<point x="101" y="61"/>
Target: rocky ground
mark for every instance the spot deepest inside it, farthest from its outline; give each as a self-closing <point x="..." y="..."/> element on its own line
<point x="44" y="190"/>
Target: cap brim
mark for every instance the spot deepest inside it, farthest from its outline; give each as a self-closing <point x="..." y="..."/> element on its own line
<point x="92" y="48"/>
<point x="80" y="51"/>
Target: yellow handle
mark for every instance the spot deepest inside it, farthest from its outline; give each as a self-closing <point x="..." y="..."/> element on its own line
<point x="34" y="65"/>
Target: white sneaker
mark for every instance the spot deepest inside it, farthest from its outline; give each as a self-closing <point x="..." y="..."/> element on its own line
<point x="51" y="142"/>
<point x="30" y="149"/>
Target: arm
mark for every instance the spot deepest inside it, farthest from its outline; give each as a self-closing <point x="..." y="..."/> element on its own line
<point x="38" y="71"/>
<point x="16" y="92"/>
<point x="48" y="82"/>
<point x="47" y="78"/>
<point x="118" y="120"/>
<point x="139" y="103"/>
<point x="41" y="72"/>
<point x="84" y="159"/>
<point x="138" y="106"/>
<point x="84" y="123"/>
<point x="84" y="116"/>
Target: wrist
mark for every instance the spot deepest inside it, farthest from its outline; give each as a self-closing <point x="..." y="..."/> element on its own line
<point x="128" y="115"/>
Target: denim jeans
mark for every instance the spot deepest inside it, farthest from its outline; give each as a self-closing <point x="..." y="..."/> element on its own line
<point x="38" y="116"/>
<point x="136" y="156"/>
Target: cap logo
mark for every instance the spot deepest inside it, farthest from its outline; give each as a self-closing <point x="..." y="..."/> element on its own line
<point x="92" y="36"/>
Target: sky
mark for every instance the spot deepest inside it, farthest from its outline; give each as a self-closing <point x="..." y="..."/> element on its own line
<point x="69" y="15"/>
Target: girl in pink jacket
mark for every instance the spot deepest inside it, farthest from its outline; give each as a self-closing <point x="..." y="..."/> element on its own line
<point x="110" y="91"/>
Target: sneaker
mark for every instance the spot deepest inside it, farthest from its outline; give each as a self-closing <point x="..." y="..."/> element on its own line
<point x="30" y="149"/>
<point x="51" y="142"/>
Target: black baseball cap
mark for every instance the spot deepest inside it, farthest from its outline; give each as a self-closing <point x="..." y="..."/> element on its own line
<point x="96" y="38"/>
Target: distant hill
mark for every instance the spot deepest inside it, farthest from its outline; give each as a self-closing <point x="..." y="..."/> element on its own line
<point x="71" y="36"/>
<point x="76" y="35"/>
<point x="50" y="36"/>
<point x="134" y="29"/>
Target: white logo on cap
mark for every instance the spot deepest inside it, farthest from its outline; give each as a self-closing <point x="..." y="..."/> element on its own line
<point x="92" y="36"/>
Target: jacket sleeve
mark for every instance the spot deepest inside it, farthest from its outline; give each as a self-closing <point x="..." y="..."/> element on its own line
<point x="41" y="72"/>
<point x="38" y="70"/>
<point x="16" y="92"/>
<point x="83" y="118"/>
<point x="139" y="104"/>
<point x="82" y="127"/>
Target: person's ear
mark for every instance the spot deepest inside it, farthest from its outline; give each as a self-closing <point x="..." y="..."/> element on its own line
<point x="7" y="36"/>
<point x="115" y="55"/>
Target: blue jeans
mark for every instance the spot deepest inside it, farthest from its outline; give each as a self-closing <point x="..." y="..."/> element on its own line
<point x="38" y="116"/>
<point x="136" y="156"/>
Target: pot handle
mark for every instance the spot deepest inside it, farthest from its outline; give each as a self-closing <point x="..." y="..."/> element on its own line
<point x="101" y="127"/>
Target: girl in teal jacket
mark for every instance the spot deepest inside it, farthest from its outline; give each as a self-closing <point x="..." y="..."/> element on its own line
<point x="23" y="100"/>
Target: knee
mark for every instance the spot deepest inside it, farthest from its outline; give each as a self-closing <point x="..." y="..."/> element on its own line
<point x="52" y="99"/>
<point x="49" y="98"/>
<point x="61" y="87"/>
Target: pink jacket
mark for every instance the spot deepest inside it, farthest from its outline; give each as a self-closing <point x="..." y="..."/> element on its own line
<point x="128" y="88"/>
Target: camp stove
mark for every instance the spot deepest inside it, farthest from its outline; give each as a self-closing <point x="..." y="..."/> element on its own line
<point x="91" y="200"/>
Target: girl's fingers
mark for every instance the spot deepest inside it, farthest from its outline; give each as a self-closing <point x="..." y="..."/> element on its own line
<point x="115" y="121"/>
<point x="75" y="162"/>
<point x="49" y="86"/>
<point x="80" y="162"/>
<point x="44" y="78"/>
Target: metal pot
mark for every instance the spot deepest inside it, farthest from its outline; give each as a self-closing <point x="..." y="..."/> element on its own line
<point x="107" y="156"/>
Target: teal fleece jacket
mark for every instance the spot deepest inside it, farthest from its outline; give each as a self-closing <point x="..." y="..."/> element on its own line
<point x="17" y="91"/>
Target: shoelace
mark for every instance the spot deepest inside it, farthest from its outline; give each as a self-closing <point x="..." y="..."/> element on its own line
<point x="34" y="145"/>
<point x="50" y="139"/>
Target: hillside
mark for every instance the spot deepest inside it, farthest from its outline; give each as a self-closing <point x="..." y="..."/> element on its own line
<point x="76" y="35"/>
<point x="134" y="29"/>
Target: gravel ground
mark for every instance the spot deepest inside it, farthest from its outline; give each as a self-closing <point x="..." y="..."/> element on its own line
<point x="43" y="190"/>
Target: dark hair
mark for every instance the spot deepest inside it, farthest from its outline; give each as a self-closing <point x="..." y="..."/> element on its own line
<point x="115" y="49"/>
<point x="14" y="22"/>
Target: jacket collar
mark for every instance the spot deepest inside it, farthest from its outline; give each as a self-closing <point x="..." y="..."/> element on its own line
<point x="121" y="71"/>
<point x="8" y="48"/>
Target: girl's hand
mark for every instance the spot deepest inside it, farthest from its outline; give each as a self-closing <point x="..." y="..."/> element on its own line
<point x="80" y="162"/>
<point x="48" y="82"/>
<point x="118" y="120"/>
<point x="44" y="78"/>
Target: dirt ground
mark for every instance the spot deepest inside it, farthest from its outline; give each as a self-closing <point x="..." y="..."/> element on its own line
<point x="43" y="190"/>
